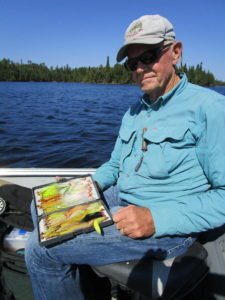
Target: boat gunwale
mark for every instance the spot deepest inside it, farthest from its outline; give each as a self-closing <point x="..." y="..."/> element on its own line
<point x="9" y="172"/>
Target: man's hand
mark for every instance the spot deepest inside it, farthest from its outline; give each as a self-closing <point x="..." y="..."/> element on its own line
<point x="134" y="221"/>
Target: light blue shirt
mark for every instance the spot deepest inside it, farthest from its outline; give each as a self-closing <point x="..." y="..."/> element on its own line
<point x="181" y="176"/>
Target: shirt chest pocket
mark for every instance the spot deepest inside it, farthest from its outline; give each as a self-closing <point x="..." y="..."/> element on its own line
<point x="167" y="149"/>
<point x="127" y="136"/>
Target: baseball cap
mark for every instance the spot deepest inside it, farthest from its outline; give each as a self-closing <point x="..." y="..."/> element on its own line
<point x="148" y="29"/>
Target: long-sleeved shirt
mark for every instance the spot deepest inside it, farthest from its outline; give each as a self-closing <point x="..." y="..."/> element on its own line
<point x="170" y="158"/>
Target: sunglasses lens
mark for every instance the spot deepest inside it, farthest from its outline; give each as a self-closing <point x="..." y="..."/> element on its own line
<point x="131" y="64"/>
<point x="148" y="58"/>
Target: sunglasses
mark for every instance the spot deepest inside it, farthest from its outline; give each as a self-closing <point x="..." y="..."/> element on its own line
<point x="146" y="58"/>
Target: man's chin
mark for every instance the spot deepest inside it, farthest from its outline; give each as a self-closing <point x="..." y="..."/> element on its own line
<point x="153" y="91"/>
<point x="147" y="89"/>
<point x="148" y="84"/>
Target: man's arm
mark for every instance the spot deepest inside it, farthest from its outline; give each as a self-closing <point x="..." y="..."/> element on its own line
<point x="206" y="210"/>
<point x="107" y="174"/>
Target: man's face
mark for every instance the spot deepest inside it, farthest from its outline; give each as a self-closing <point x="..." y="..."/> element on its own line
<point x="156" y="78"/>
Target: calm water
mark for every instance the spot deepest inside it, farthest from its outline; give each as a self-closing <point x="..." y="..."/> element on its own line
<point x="61" y="124"/>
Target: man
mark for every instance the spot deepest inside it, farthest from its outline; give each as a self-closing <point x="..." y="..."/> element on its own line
<point x="165" y="180"/>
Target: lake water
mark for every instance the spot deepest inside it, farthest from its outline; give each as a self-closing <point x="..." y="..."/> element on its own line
<point x="68" y="125"/>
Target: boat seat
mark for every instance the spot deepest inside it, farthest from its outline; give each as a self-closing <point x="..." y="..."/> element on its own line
<point x="155" y="279"/>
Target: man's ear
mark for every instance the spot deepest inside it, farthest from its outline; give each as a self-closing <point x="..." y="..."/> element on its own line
<point x="176" y="52"/>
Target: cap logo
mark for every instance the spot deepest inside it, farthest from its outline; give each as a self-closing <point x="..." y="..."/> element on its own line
<point x="134" y="30"/>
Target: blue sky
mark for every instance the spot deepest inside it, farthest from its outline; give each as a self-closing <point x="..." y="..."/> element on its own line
<point x="85" y="32"/>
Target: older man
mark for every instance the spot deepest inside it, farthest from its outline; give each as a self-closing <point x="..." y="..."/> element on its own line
<point x="165" y="180"/>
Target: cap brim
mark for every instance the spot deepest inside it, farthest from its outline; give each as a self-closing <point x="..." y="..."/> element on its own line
<point x="122" y="53"/>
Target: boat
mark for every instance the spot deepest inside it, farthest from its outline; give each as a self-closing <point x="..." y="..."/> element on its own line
<point x="188" y="271"/>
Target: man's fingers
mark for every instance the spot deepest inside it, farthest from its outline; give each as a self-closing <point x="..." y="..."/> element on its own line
<point x="119" y="215"/>
<point x="59" y="179"/>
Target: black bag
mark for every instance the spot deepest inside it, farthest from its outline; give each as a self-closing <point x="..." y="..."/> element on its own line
<point x="15" y="203"/>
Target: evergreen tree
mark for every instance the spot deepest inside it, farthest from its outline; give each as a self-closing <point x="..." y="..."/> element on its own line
<point x="107" y="63"/>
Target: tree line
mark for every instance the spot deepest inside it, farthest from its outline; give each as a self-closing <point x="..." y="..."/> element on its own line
<point x="117" y="74"/>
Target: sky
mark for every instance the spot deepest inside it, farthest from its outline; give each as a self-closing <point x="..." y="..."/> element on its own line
<point x="84" y="32"/>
